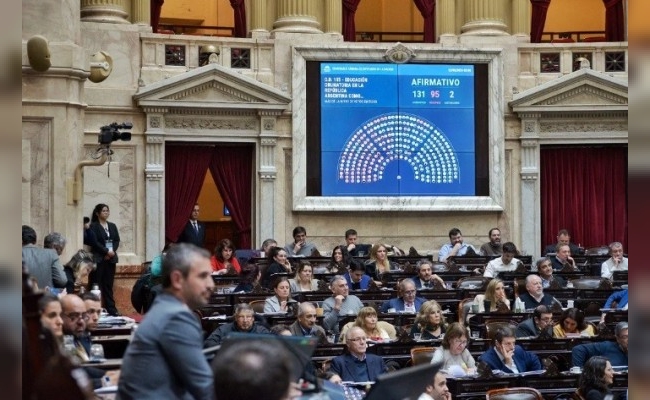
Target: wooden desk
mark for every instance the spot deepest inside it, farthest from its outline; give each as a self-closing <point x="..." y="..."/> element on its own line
<point x="110" y="363"/>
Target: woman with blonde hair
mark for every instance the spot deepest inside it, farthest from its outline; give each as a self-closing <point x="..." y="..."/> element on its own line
<point x="378" y="262"/>
<point x="303" y="281"/>
<point x="494" y="293"/>
<point x="378" y="331"/>
<point x="77" y="271"/>
<point x="429" y="321"/>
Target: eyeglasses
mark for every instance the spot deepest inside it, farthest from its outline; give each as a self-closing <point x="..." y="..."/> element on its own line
<point x="359" y="339"/>
<point x="75" y="316"/>
<point x="409" y="292"/>
<point x="459" y="342"/>
<point x="245" y="317"/>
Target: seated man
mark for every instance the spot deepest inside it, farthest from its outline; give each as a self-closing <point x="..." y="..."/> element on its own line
<point x="534" y="295"/>
<point x="357" y="365"/>
<point x="455" y="247"/>
<point x="300" y="247"/>
<point x="506" y="356"/>
<point x="425" y="278"/>
<point x="244" y="321"/>
<point x="506" y="263"/>
<point x="93" y="309"/>
<point x="340" y="304"/>
<point x="620" y="298"/>
<point x="356" y="276"/>
<point x="437" y="389"/>
<point x="563" y="257"/>
<point x="615" y="352"/>
<point x="305" y="324"/>
<point x="355" y="249"/>
<point x="615" y="263"/>
<point x="542" y="320"/>
<point x="493" y="247"/>
<point x="563" y="237"/>
<point x="407" y="302"/>
<point x="545" y="271"/>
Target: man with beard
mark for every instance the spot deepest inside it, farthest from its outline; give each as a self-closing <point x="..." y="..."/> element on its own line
<point x="244" y="322"/>
<point x="493" y="247"/>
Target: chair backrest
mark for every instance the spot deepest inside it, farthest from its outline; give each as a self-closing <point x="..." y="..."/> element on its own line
<point x="422" y="355"/>
<point x="472" y="282"/>
<point x="514" y="393"/>
<point x="463" y="309"/>
<point x="257" y="305"/>
<point x="491" y="327"/>
<point x="587" y="282"/>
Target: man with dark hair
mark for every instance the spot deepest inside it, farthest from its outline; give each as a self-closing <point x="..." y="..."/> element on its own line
<point x="54" y="241"/>
<point x="437" y="389"/>
<point x="194" y="231"/>
<point x="506" y="263"/>
<point x="300" y="247"/>
<point x="355" y="249"/>
<point x="542" y="321"/>
<point x="93" y="309"/>
<point x="493" y="247"/>
<point x="267" y="245"/>
<point x="408" y="300"/>
<point x="42" y="264"/>
<point x="356" y="276"/>
<point x="455" y="247"/>
<point x="534" y="295"/>
<point x="243" y="321"/>
<point x="545" y="271"/>
<point x="615" y="352"/>
<point x="165" y="359"/>
<point x="425" y="278"/>
<point x="508" y="357"/>
<point x="562" y="257"/>
<point x="305" y="324"/>
<point x="357" y="365"/>
<point x="340" y="304"/>
<point x="251" y="370"/>
<point x="563" y="237"/>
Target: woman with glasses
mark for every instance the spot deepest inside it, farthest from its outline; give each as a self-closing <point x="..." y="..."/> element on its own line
<point x="377" y="331"/>
<point x="429" y="322"/>
<point x="453" y="354"/>
<point x="572" y="322"/>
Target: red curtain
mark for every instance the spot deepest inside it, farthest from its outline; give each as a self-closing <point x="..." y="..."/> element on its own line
<point x="155" y="6"/>
<point x="538" y="19"/>
<point x="240" y="18"/>
<point x="584" y="189"/>
<point x="614" y="21"/>
<point x="428" y="10"/>
<point x="185" y="169"/>
<point x="232" y="170"/>
<point x="349" y="30"/>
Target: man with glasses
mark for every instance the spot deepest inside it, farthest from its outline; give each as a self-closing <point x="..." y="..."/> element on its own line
<point x="305" y="325"/>
<point x="542" y="321"/>
<point x="408" y="302"/>
<point x="508" y="357"/>
<point x="243" y="321"/>
<point x="357" y="365"/>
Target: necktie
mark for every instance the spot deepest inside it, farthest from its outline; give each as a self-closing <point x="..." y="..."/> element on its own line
<point x="196" y="226"/>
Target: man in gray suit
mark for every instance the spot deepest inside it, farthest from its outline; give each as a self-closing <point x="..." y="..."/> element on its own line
<point x="305" y="325"/>
<point x="43" y="264"/>
<point x="165" y="359"/>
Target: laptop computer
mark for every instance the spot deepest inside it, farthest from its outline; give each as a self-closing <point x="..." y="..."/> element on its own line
<point x="404" y="384"/>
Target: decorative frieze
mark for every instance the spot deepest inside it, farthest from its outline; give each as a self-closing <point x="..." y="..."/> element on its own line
<point x="576" y="126"/>
<point x="204" y="123"/>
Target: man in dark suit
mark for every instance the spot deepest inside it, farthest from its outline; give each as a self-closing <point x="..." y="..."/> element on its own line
<point x="194" y="231"/>
<point x="542" y="321"/>
<point x="506" y="356"/>
<point x="534" y="295"/>
<point x="563" y="237"/>
<point x="42" y="264"/>
<point x="408" y="302"/>
<point x="357" y="365"/>
<point x="305" y="325"/>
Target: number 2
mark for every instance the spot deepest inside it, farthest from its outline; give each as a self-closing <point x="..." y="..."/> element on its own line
<point x="451" y="94"/>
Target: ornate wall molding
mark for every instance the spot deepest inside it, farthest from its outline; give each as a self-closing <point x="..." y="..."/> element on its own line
<point x="205" y="123"/>
<point x="579" y="126"/>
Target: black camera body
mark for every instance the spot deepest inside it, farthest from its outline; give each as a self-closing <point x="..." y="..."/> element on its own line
<point x="110" y="133"/>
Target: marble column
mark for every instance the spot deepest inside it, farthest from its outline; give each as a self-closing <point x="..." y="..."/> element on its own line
<point x="531" y="225"/>
<point x="141" y="14"/>
<point x="267" y="174"/>
<point x="485" y="17"/>
<point x="112" y="11"/>
<point x="520" y="25"/>
<point x="296" y="16"/>
<point x="154" y="172"/>
<point x="259" y="16"/>
<point x="333" y="20"/>
<point x="446" y="15"/>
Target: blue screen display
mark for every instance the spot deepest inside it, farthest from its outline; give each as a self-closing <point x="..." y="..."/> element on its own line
<point x="397" y="130"/>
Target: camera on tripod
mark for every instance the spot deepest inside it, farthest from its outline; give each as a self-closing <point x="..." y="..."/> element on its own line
<point x="110" y="133"/>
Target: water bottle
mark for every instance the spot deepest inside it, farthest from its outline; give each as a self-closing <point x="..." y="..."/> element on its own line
<point x="97" y="292"/>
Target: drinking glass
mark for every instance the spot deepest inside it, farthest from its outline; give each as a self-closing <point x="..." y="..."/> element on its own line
<point x="96" y="352"/>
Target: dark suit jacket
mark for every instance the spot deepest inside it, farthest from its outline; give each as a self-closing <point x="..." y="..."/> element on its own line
<point x="530" y="302"/>
<point x="528" y="328"/>
<point x="611" y="350"/>
<point x="365" y="282"/>
<point x="317" y="331"/>
<point x="398" y="304"/>
<point x="99" y="246"/>
<point x="524" y="360"/>
<point x="344" y="366"/>
<point x="189" y="235"/>
<point x="552" y="248"/>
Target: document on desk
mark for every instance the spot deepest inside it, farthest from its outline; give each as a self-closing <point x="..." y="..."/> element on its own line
<point x="536" y="372"/>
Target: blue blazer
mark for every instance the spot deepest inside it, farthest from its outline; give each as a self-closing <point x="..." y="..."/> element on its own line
<point x="524" y="360"/>
<point x="619" y="297"/>
<point x="398" y="304"/>
<point x="611" y="350"/>
<point x="344" y="366"/>
<point x="365" y="281"/>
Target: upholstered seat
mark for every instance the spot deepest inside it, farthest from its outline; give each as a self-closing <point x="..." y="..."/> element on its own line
<point x="422" y="355"/>
<point x="257" y="305"/>
<point x="515" y="393"/>
<point x="492" y="327"/>
<point x="472" y="282"/>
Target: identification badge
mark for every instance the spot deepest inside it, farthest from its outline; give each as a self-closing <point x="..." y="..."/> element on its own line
<point x="109" y="245"/>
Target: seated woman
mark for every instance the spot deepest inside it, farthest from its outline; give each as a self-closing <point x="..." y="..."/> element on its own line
<point x="597" y="376"/>
<point x="50" y="311"/>
<point x="454" y="355"/>
<point x="375" y="330"/>
<point x="429" y="321"/>
<point x="378" y="263"/>
<point x="338" y="264"/>
<point x="303" y="282"/>
<point x="572" y="322"/>
<point x="278" y="264"/>
<point x="77" y="271"/>
<point x="494" y="293"/>
<point x="250" y="277"/>
<point x="282" y="300"/>
<point x="223" y="260"/>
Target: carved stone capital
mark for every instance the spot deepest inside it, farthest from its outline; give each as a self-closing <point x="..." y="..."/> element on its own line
<point x="529" y="143"/>
<point x="268" y="141"/>
<point x="155" y="139"/>
<point x="267" y="175"/>
<point x="529" y="176"/>
<point x="399" y="54"/>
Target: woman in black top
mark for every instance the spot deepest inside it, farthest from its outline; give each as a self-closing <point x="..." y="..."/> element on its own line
<point x="597" y="376"/>
<point x="278" y="264"/>
<point x="250" y="276"/>
<point x="104" y="251"/>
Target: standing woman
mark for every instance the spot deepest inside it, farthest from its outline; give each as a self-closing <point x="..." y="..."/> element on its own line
<point x="223" y="260"/>
<point x="104" y="251"/>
